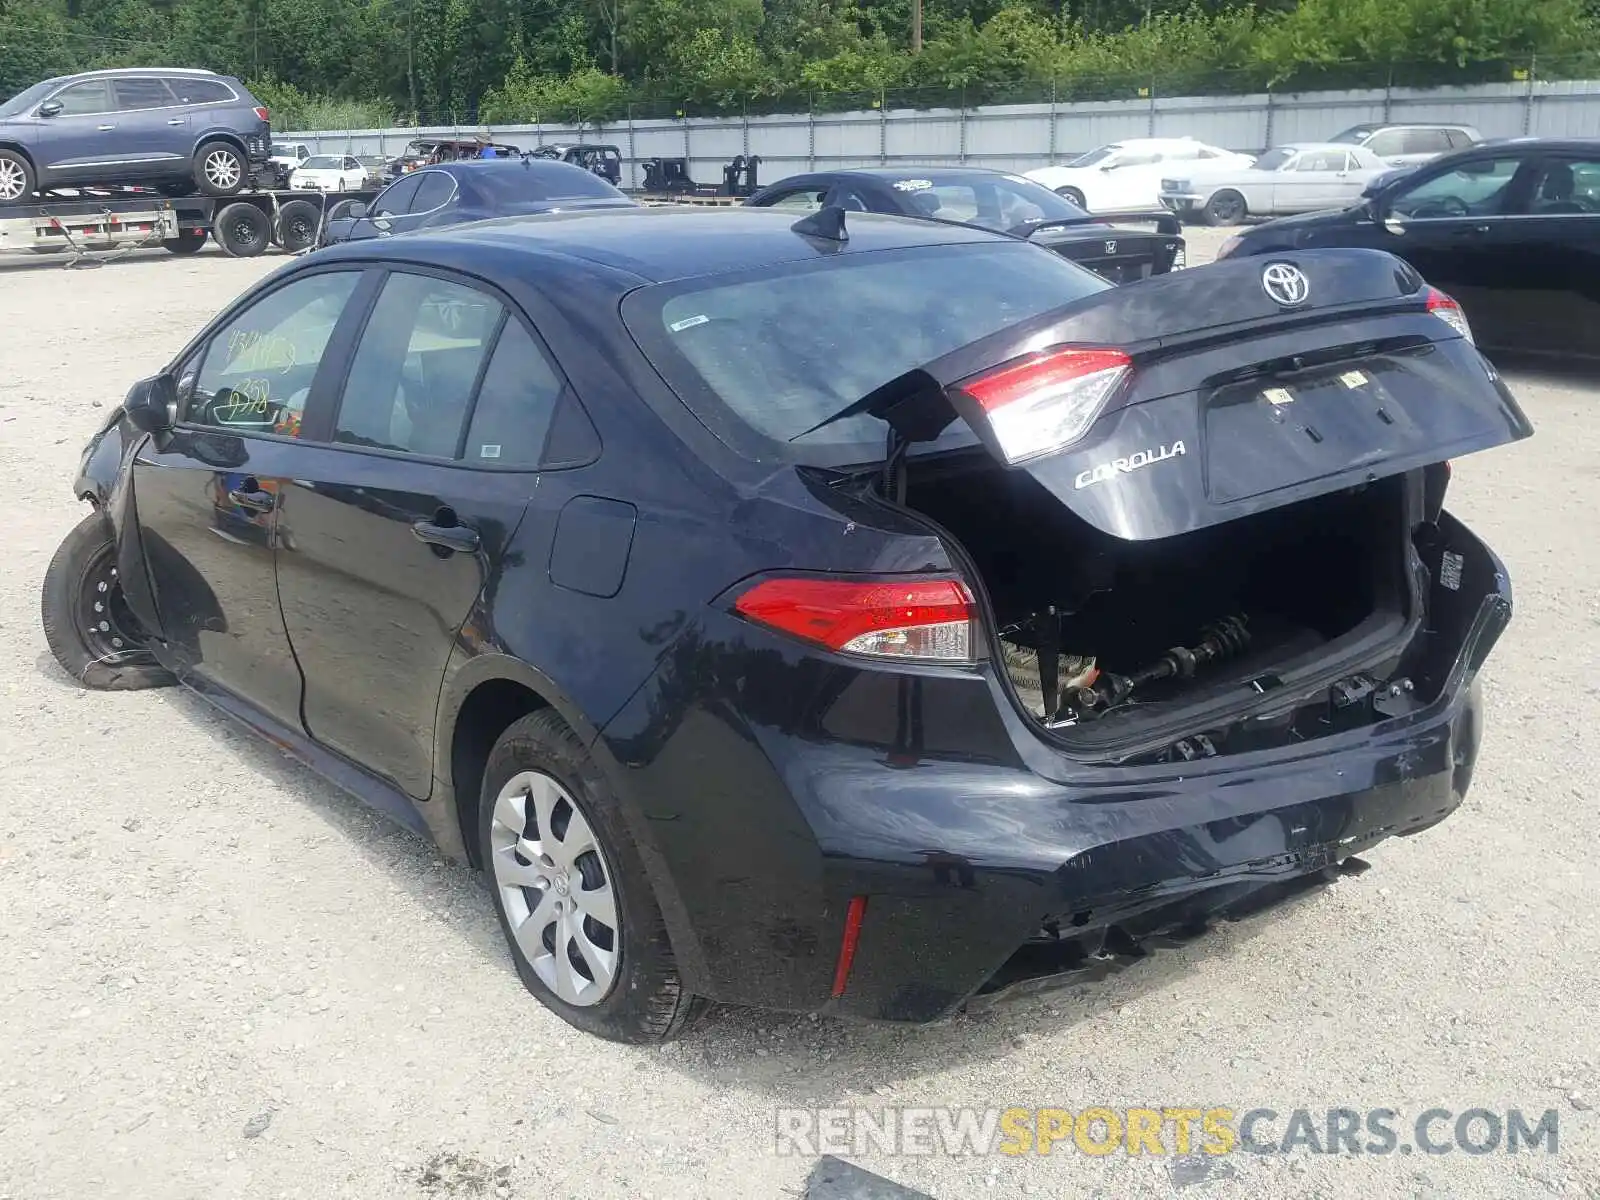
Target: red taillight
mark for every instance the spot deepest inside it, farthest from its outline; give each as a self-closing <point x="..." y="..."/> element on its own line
<point x="925" y="618"/>
<point x="1447" y="310"/>
<point x="847" y="944"/>
<point x="262" y="114"/>
<point x="1048" y="401"/>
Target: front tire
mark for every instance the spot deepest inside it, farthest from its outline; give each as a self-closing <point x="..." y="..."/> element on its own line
<point x="16" y="178"/>
<point x="1227" y="207"/>
<point x="220" y="169"/>
<point x="1073" y="196"/>
<point x="86" y="619"/>
<point x="576" y="908"/>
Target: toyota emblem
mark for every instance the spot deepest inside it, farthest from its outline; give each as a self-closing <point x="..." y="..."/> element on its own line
<point x="1111" y="247"/>
<point x="1285" y="284"/>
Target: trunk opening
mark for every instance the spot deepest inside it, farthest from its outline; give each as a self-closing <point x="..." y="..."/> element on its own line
<point x="1165" y="638"/>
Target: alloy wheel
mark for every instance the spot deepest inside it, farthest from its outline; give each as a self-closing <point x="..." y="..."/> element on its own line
<point x="12" y="181"/>
<point x="556" y="888"/>
<point x="222" y="169"/>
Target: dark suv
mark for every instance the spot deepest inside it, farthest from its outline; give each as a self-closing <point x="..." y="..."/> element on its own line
<point x="177" y="128"/>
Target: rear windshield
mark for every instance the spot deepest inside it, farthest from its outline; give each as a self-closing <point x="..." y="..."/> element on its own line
<point x="322" y="162"/>
<point x="762" y="357"/>
<point x="510" y="184"/>
<point x="1355" y="135"/>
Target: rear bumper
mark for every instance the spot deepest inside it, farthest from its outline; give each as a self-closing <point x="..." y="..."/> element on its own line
<point x="793" y="785"/>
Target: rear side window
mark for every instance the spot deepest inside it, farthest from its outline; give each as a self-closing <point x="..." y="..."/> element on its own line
<point x="1424" y="141"/>
<point x="515" y="404"/>
<point x="1390" y="141"/>
<point x="1459" y="139"/>
<point x="142" y="93"/>
<point x="200" y="91"/>
<point x="417" y="366"/>
<point x="762" y="357"/>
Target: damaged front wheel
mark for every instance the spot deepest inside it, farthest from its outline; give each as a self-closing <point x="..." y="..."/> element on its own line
<point x="86" y="619"/>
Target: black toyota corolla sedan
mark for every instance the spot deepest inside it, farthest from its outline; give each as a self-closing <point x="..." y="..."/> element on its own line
<point x="457" y="192"/>
<point x="1511" y="228"/>
<point x="993" y="200"/>
<point x="853" y="614"/>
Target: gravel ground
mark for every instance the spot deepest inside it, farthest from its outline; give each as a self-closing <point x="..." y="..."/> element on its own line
<point x="219" y="976"/>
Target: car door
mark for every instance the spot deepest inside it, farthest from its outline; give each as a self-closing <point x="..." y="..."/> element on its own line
<point x="1548" y="259"/>
<point x="1308" y="183"/>
<point x="207" y="493"/>
<point x="151" y="127"/>
<point x="80" y="138"/>
<point x="1131" y="182"/>
<point x="1452" y="225"/>
<point x="404" y="509"/>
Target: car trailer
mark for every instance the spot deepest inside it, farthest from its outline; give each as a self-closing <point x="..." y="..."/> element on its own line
<point x="243" y="225"/>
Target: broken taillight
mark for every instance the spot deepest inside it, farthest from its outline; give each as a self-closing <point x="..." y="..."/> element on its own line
<point x="1449" y="311"/>
<point x="1049" y="400"/>
<point x="915" y="619"/>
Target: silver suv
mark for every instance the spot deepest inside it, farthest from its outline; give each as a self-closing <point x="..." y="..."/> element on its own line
<point x="1409" y="145"/>
<point x="174" y="128"/>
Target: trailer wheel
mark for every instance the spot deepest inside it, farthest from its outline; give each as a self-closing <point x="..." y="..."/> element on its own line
<point x="297" y="225"/>
<point x="220" y="169"/>
<point x="16" y="177"/>
<point x="242" y="230"/>
<point x="188" y="241"/>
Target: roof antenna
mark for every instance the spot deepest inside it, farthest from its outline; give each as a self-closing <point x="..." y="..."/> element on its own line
<point x="826" y="223"/>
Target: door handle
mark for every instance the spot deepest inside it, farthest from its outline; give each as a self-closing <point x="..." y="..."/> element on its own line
<point x="254" y="500"/>
<point x="1475" y="231"/>
<point x="457" y="538"/>
<point x="176" y="121"/>
<point x="105" y="128"/>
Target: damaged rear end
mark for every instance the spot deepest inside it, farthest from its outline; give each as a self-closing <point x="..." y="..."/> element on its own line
<point x="1198" y="535"/>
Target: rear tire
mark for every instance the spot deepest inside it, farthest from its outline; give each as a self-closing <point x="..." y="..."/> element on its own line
<point x="298" y="223"/>
<point x="188" y="241"/>
<point x="242" y="230"/>
<point x="1074" y="196"/>
<point x="220" y="169"/>
<point x="540" y="786"/>
<point x="17" y="180"/>
<point x="86" y="621"/>
<point x="1227" y="207"/>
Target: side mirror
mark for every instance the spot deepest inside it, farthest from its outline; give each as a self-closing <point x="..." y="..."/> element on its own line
<point x="151" y="405"/>
<point x="356" y="211"/>
<point x="1394" y="224"/>
<point x="50" y="108"/>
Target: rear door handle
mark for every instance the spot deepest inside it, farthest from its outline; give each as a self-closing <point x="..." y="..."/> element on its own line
<point x="105" y="128"/>
<point x="253" y="499"/>
<point x="1474" y="232"/>
<point x="176" y="121"/>
<point x="458" y="538"/>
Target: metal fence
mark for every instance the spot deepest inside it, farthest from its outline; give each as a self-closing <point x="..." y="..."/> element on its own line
<point x="1019" y="137"/>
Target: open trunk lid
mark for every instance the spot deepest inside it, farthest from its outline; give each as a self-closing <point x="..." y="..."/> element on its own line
<point x="1196" y="398"/>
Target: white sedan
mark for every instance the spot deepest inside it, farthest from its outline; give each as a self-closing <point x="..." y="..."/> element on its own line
<point x="1126" y="176"/>
<point x="1290" y="179"/>
<point x="329" y="173"/>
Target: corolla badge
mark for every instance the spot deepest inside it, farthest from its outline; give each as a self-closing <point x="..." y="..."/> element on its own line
<point x="1285" y="284"/>
<point x="1138" y="460"/>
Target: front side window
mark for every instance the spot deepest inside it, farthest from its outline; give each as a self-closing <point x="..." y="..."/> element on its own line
<point x="1476" y="189"/>
<point x="434" y="191"/>
<point x="1387" y="143"/>
<point x="416" y="367"/>
<point x="81" y="99"/>
<point x="256" y="372"/>
<point x="395" y="200"/>
<point x="1424" y="141"/>
<point x="142" y="93"/>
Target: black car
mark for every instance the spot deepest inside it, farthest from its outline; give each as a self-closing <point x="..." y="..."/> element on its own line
<point x="990" y="200"/>
<point x="852" y="615"/>
<point x="604" y="160"/>
<point x="454" y="193"/>
<point x="1510" y="228"/>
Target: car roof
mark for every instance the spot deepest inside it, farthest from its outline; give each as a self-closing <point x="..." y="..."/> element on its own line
<point x="536" y="168"/>
<point x="932" y="174"/>
<point x="653" y="245"/>
<point x="1380" y="126"/>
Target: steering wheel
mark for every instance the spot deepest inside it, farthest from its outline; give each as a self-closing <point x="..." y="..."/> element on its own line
<point x="1444" y="206"/>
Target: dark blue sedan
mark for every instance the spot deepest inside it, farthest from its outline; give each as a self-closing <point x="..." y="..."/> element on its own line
<point x="457" y="192"/>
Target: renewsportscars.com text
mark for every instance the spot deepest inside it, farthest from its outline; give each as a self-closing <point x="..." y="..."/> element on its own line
<point x="1099" y="1131"/>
